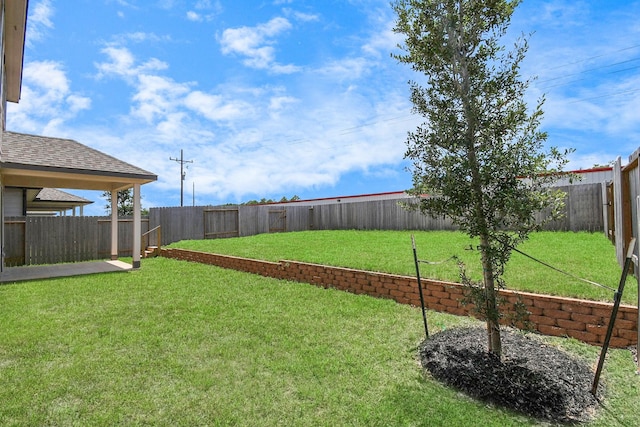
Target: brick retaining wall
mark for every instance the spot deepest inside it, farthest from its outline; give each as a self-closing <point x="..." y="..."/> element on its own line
<point x="581" y="319"/>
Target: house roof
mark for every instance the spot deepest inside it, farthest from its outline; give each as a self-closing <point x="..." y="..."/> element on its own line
<point x="41" y="161"/>
<point x="52" y="199"/>
<point x="14" y="33"/>
<point x="55" y="195"/>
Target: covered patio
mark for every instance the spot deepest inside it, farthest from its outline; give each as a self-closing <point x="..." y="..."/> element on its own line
<point x="33" y="161"/>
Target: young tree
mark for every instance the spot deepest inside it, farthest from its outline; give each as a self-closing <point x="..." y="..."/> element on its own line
<point x="125" y="202"/>
<point x="479" y="153"/>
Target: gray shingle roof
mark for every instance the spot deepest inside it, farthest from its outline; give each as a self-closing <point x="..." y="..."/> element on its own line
<point x="55" y="195"/>
<point x="36" y="152"/>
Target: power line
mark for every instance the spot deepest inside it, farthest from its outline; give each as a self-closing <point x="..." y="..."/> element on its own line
<point x="604" y="96"/>
<point x="597" y="68"/>
<point x="594" y="57"/>
<point x="583" y="79"/>
<point x="591" y="70"/>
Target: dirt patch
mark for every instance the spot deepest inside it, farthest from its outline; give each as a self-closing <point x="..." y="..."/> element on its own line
<point x="533" y="378"/>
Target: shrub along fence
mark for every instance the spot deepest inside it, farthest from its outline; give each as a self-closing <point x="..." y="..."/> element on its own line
<point x="583" y="212"/>
<point x="580" y="319"/>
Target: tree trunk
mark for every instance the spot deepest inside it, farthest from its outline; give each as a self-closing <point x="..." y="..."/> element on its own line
<point x="493" y="326"/>
<point x="464" y="90"/>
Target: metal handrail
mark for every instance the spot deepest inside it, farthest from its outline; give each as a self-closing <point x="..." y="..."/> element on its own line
<point x="158" y="237"/>
<point x="153" y="229"/>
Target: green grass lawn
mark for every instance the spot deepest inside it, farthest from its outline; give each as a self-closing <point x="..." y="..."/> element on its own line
<point x="586" y="255"/>
<point x="179" y="343"/>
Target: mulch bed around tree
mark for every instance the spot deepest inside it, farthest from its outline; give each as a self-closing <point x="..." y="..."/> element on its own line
<point x="533" y="378"/>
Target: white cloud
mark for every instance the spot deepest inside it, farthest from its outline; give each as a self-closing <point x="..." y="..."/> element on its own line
<point x="215" y="108"/>
<point x="383" y="42"/>
<point x="139" y="37"/>
<point x="205" y="4"/>
<point x="39" y="21"/>
<point x="173" y="125"/>
<point x="126" y="4"/>
<point x="562" y="12"/>
<point x="166" y="4"/>
<point x="122" y="63"/>
<point x="47" y="100"/>
<point x="161" y="100"/>
<point x="78" y="103"/>
<point x="207" y="11"/>
<point x="311" y="147"/>
<point x="156" y="97"/>
<point x="49" y="76"/>
<point x="278" y="103"/>
<point x="301" y="16"/>
<point x="346" y="69"/>
<point x="256" y="45"/>
<point x="193" y="16"/>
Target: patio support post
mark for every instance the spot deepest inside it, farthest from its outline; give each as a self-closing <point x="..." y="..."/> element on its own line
<point x="114" y="225"/>
<point x="137" y="226"/>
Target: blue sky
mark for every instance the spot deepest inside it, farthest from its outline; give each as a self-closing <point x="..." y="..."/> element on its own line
<point x="278" y="98"/>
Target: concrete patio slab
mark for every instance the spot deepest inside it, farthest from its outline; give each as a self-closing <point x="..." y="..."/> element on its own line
<point x="18" y="274"/>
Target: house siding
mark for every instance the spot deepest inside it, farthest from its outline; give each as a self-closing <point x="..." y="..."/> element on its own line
<point x="14" y="202"/>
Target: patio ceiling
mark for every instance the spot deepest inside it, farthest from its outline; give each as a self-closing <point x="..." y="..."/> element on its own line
<point x="40" y="161"/>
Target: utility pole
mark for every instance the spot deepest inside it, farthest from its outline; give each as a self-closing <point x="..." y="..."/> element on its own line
<point x="182" y="174"/>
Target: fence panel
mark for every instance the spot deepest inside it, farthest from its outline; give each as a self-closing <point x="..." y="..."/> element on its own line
<point x="222" y="222"/>
<point x="125" y="236"/>
<point x="585" y="207"/>
<point x="14" y="241"/>
<point x="50" y="240"/>
<point x="583" y="211"/>
<point x="300" y="218"/>
<point x="249" y="221"/>
<point x="178" y="223"/>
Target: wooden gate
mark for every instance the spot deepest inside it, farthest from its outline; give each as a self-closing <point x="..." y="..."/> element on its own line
<point x="277" y="221"/>
<point x="220" y="223"/>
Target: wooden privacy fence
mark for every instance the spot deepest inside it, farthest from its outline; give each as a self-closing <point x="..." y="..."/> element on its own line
<point x="207" y="222"/>
<point x="51" y="240"/>
<point x="583" y="212"/>
<point x="622" y="197"/>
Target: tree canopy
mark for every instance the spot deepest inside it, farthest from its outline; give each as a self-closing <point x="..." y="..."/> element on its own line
<point x="125" y="203"/>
